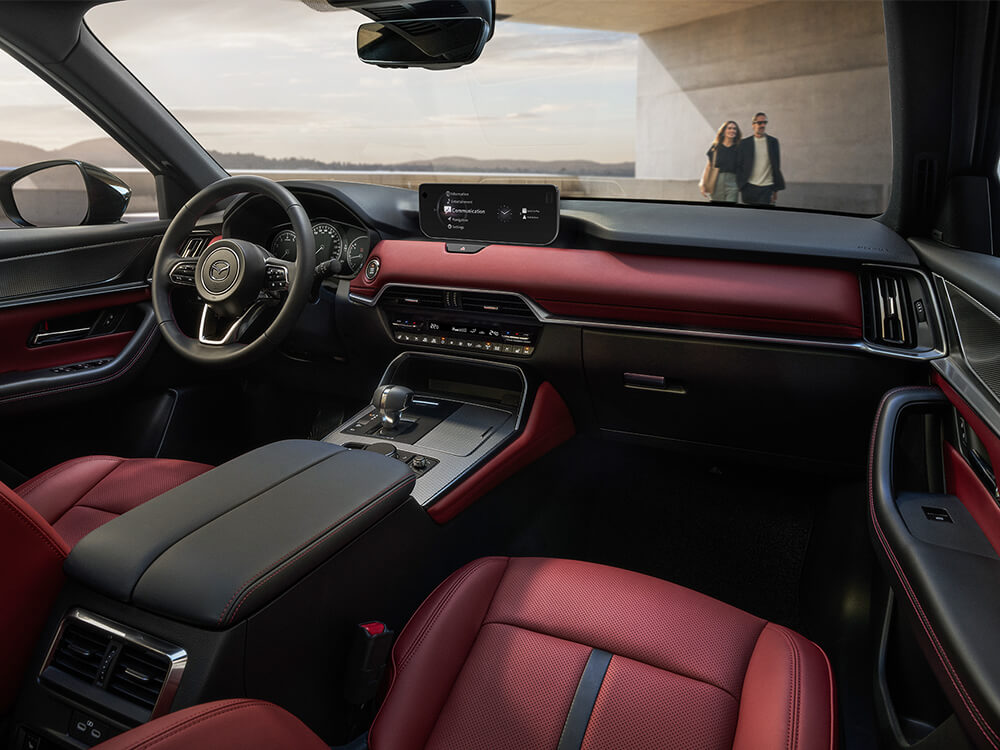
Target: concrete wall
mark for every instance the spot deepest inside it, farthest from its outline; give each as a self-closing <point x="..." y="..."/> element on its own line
<point x="819" y="71"/>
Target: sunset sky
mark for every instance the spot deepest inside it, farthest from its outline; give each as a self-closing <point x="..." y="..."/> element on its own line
<point x="277" y="78"/>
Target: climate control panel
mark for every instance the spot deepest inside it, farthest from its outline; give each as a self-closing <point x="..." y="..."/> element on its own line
<point x="464" y="335"/>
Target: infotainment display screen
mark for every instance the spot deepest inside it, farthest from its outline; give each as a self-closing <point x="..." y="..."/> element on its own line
<point x="511" y="214"/>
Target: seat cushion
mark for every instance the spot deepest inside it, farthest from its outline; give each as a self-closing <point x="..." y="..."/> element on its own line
<point x="79" y="495"/>
<point x="494" y="659"/>
<point x="231" y="723"/>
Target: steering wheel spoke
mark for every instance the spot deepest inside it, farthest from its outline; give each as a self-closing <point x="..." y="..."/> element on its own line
<point x="216" y="330"/>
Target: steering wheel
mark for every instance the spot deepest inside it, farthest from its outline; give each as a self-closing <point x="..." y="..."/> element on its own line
<point x="235" y="280"/>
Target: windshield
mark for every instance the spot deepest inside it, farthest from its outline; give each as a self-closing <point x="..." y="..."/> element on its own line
<point x="628" y="99"/>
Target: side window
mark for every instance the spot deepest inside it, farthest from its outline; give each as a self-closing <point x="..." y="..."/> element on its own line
<point x="39" y="125"/>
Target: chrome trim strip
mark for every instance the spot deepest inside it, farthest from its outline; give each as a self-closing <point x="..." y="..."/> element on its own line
<point x="73" y="294"/>
<point x="544" y="317"/>
<point x="965" y="386"/>
<point x="176" y="654"/>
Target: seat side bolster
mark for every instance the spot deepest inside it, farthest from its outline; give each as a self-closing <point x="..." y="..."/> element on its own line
<point x="430" y="653"/>
<point x="788" y="699"/>
<point x="29" y="546"/>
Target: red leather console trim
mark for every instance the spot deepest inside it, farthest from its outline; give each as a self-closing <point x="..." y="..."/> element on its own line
<point x="788" y="695"/>
<point x="31" y="555"/>
<point x="962" y="482"/>
<point x="549" y="424"/>
<point x="694" y="292"/>
<point x="229" y="723"/>
<point x="17" y="323"/>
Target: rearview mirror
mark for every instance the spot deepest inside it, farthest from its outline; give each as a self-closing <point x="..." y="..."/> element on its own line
<point x="434" y="43"/>
<point x="63" y="192"/>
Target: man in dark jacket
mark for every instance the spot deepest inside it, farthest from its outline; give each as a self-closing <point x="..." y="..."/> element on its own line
<point x="759" y="176"/>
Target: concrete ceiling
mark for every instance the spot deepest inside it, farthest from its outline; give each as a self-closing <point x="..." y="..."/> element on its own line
<point x="636" y="16"/>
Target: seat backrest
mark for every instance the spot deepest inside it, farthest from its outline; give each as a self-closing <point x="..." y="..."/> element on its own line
<point x="31" y="559"/>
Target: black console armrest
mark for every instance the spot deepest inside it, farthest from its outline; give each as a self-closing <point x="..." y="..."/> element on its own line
<point x="221" y="546"/>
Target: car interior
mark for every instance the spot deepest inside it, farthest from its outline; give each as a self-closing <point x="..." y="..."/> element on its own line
<point x="300" y="461"/>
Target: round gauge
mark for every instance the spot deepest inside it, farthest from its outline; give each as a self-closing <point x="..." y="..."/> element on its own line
<point x="357" y="251"/>
<point x="283" y="245"/>
<point x="328" y="241"/>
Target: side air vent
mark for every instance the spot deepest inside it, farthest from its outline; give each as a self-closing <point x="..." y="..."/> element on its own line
<point x="194" y="244"/>
<point x="497" y="304"/>
<point x="890" y="306"/>
<point x="415" y="297"/>
<point x="80" y="651"/>
<point x="114" y="667"/>
<point x="138" y="676"/>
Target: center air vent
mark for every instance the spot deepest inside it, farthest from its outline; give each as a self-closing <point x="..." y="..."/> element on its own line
<point x="114" y="667"/>
<point x="406" y="296"/>
<point x="497" y="304"/>
<point x="488" y="303"/>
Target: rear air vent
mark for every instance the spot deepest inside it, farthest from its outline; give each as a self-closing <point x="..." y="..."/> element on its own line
<point x="138" y="676"/>
<point x="497" y="304"/>
<point x="890" y="324"/>
<point x="112" y="666"/>
<point x="81" y="651"/>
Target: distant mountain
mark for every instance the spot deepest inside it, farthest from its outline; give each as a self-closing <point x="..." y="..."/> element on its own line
<point x="101" y="151"/>
<point x="439" y="164"/>
<point x="106" y="153"/>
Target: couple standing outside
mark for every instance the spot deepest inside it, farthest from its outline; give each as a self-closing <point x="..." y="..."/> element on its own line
<point x="747" y="168"/>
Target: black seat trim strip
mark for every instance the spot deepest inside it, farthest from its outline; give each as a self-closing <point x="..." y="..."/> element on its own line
<point x="583" y="701"/>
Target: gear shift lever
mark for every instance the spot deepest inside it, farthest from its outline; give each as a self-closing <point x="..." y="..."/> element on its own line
<point x="391" y="401"/>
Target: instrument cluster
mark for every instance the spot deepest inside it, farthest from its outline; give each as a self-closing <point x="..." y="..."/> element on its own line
<point x="334" y="241"/>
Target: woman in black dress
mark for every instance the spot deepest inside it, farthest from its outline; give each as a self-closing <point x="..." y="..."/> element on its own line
<point x="724" y="154"/>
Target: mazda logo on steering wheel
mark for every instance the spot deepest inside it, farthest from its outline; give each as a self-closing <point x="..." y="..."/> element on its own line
<point x="219" y="271"/>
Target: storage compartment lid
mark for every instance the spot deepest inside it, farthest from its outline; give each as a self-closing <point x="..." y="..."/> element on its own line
<point x="224" y="544"/>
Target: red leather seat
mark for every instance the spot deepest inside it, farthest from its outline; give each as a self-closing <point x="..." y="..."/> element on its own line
<point x="42" y="520"/>
<point x="79" y="495"/>
<point x="539" y="653"/>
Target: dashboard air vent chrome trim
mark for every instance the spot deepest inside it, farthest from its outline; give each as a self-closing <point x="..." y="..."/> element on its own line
<point x="109" y="664"/>
<point x="892" y="326"/>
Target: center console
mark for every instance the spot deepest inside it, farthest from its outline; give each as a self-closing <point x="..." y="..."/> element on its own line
<point x="442" y="416"/>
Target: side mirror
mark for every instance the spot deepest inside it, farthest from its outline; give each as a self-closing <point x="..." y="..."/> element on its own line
<point x="64" y="192"/>
<point x="434" y="43"/>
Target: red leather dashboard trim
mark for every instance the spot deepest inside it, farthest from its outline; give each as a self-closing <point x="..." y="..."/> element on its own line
<point x="17" y="323"/>
<point x="961" y="480"/>
<point x="549" y="424"/>
<point x="696" y="292"/>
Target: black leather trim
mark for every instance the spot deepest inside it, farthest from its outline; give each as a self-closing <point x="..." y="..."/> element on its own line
<point x="584" y="699"/>
<point x="951" y="593"/>
<point x="217" y="548"/>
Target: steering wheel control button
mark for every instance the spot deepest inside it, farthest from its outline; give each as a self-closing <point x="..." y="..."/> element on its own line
<point x="371" y="270"/>
<point x="277" y="278"/>
<point x="183" y="273"/>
